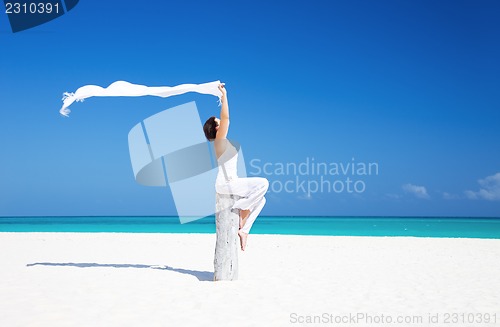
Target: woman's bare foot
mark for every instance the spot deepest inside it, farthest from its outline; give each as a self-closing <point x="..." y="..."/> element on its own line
<point x="243" y="239"/>
<point x="243" y="217"/>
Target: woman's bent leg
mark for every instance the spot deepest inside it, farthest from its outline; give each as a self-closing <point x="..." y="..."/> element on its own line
<point x="253" y="215"/>
<point x="252" y="191"/>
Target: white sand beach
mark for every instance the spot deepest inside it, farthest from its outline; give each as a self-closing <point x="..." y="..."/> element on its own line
<point x="107" y="279"/>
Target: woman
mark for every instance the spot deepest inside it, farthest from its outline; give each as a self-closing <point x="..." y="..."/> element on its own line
<point x="250" y="190"/>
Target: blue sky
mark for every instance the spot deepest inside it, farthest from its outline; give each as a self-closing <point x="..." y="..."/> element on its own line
<point x="409" y="85"/>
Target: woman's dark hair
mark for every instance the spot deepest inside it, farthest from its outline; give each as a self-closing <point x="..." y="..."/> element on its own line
<point x="210" y="128"/>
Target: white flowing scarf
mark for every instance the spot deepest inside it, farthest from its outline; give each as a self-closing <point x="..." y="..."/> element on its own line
<point x="122" y="88"/>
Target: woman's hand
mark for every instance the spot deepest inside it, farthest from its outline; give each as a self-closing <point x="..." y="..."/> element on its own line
<point x="222" y="89"/>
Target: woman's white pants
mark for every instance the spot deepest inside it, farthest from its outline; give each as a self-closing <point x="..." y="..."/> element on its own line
<point x="251" y="191"/>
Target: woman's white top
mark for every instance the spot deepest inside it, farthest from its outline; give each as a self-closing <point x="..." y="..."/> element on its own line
<point x="228" y="164"/>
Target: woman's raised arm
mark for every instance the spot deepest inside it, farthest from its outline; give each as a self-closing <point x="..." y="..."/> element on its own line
<point x="224" y="115"/>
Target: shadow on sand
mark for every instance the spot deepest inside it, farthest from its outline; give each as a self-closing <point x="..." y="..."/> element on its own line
<point x="201" y="275"/>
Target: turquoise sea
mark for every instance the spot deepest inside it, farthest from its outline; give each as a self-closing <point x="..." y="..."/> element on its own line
<point x="345" y="226"/>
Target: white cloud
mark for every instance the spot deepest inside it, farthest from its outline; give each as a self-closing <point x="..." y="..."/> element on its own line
<point x="304" y="197"/>
<point x="393" y="196"/>
<point x="418" y="191"/>
<point x="470" y="195"/>
<point x="449" y="196"/>
<point x="489" y="189"/>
